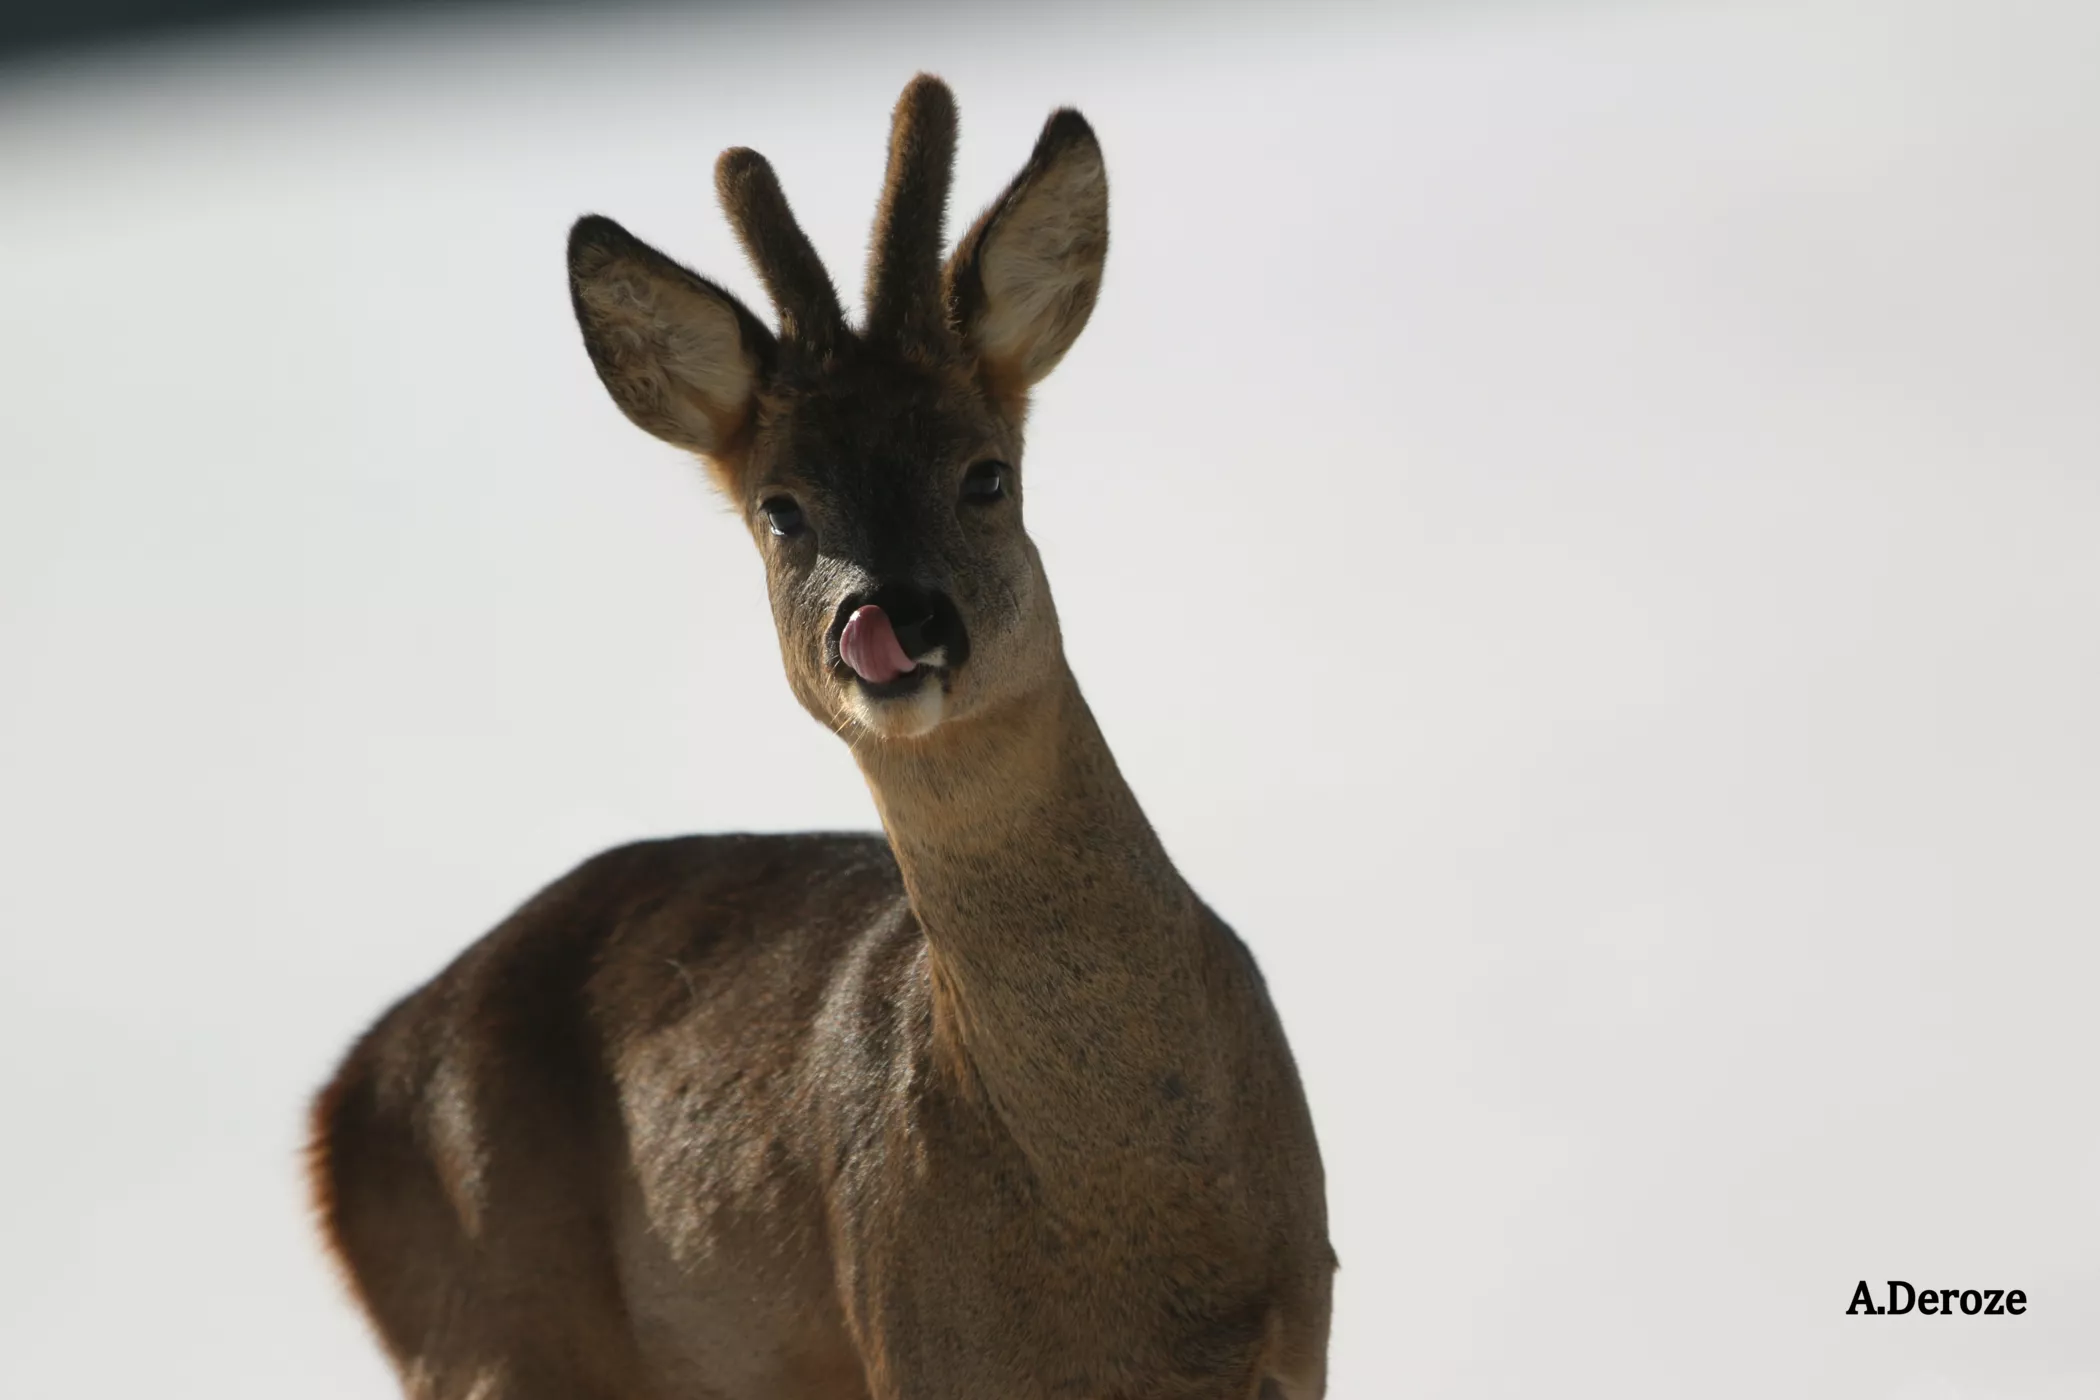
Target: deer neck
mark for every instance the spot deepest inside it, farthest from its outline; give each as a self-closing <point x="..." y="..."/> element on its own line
<point x="1067" y="950"/>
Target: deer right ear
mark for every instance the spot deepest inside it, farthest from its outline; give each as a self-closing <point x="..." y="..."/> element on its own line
<point x="1022" y="282"/>
<point x="681" y="357"/>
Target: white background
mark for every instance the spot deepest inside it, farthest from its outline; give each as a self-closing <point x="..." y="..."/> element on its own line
<point x="1581" y="523"/>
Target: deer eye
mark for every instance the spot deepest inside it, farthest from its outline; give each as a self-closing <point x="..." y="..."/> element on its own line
<point x="783" y="516"/>
<point x="986" y="481"/>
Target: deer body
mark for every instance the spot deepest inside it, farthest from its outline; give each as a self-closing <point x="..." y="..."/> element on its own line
<point x="991" y="1106"/>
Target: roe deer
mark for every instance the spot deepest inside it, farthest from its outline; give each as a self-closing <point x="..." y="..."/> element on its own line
<point x="992" y="1109"/>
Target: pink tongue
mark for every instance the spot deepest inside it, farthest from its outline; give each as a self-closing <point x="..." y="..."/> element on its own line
<point x="869" y="645"/>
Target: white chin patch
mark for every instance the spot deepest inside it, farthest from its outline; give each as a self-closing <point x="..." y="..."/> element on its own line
<point x="904" y="717"/>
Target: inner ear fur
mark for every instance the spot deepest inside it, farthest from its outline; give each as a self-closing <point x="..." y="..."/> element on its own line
<point x="682" y="358"/>
<point x="1022" y="283"/>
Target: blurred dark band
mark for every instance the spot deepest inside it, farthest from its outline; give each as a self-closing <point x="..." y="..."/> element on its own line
<point x="38" y="28"/>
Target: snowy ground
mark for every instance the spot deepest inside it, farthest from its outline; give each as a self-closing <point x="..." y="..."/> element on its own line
<point x="1660" y="446"/>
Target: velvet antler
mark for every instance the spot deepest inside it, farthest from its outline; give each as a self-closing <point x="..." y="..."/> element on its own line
<point x="904" y="255"/>
<point x="794" y="275"/>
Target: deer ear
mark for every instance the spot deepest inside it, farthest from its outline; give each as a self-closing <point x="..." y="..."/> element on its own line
<point x="1022" y="282"/>
<point x="681" y="357"/>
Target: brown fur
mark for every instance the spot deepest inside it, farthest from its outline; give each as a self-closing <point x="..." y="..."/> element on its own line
<point x="1059" y="205"/>
<point x="794" y="276"/>
<point x="989" y="1106"/>
<point x="904" y="256"/>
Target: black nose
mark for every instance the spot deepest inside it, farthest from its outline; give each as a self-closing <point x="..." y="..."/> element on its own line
<point x="923" y="619"/>
<point x="911" y="615"/>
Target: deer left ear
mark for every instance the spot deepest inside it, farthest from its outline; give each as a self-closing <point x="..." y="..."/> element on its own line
<point x="1022" y="283"/>
<point x="681" y="357"/>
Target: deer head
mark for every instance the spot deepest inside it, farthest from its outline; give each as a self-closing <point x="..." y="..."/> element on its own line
<point x="877" y="468"/>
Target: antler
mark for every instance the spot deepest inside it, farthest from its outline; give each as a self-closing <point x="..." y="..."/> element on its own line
<point x="778" y="248"/>
<point x="905" y="300"/>
<point x="904" y="256"/>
